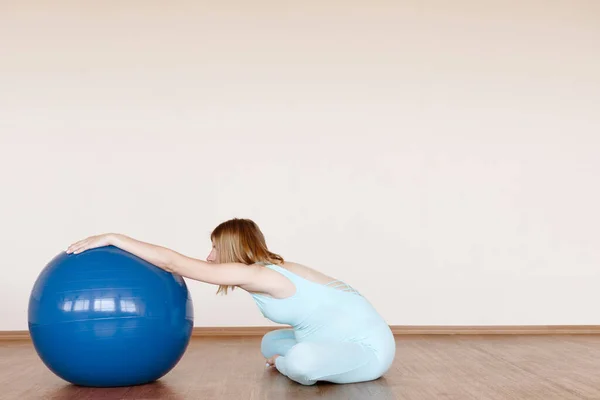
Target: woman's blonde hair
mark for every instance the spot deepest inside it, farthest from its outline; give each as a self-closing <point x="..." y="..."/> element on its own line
<point x="241" y="241"/>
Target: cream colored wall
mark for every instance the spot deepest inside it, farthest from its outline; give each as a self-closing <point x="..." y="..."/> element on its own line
<point x="442" y="157"/>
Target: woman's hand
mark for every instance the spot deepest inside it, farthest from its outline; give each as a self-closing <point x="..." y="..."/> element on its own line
<point x="90" y="243"/>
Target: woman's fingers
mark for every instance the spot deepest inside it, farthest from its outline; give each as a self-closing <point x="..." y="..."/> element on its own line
<point x="88" y="243"/>
<point x="77" y="243"/>
<point x="77" y="246"/>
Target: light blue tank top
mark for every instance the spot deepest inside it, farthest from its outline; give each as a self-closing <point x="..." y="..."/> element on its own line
<point x="317" y="311"/>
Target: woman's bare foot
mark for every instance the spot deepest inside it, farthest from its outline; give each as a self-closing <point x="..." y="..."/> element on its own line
<point x="271" y="361"/>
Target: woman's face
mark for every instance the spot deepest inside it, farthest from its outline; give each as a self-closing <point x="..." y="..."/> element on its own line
<point x="213" y="256"/>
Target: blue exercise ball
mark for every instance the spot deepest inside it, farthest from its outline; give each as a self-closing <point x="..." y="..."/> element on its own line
<point x="107" y="318"/>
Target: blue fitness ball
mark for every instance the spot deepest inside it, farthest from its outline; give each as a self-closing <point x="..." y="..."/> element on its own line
<point x="107" y="318"/>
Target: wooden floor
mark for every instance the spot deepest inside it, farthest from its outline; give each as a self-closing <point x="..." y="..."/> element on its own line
<point x="426" y="367"/>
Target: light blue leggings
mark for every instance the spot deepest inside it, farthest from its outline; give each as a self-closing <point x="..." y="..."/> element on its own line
<point x="309" y="362"/>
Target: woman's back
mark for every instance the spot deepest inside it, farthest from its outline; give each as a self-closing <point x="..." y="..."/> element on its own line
<point x="318" y="305"/>
<point x="308" y="273"/>
<point x="279" y="286"/>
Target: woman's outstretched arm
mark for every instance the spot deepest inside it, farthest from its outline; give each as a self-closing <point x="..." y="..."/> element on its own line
<point x="233" y="274"/>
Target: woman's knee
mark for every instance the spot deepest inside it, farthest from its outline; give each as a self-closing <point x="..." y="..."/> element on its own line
<point x="302" y="362"/>
<point x="271" y="342"/>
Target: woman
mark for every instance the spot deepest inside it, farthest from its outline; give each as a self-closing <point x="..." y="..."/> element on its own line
<point x="336" y="335"/>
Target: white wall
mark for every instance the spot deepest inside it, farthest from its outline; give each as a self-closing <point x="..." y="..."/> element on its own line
<point x="442" y="157"/>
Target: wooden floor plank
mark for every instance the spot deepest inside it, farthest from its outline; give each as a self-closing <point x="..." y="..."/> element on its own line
<point x="566" y="361"/>
<point x="426" y="367"/>
<point x="458" y="368"/>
